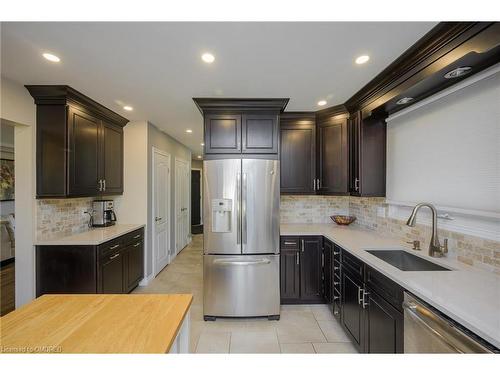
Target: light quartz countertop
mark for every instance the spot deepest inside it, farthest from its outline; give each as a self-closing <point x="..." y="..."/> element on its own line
<point x="95" y="323"/>
<point x="467" y="295"/>
<point x="94" y="236"/>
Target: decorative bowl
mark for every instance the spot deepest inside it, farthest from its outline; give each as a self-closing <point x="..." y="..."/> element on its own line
<point x="343" y="219"/>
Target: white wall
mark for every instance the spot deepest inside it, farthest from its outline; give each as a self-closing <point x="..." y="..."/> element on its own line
<point x="17" y="106"/>
<point x="448" y="151"/>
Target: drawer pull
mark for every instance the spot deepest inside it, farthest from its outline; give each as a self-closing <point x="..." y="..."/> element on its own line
<point x="114" y="256"/>
<point x="290" y="243"/>
<point x="114" y="247"/>
<point x="336" y="283"/>
<point x="137" y="236"/>
<point x="137" y="244"/>
<point x="336" y="268"/>
<point x="336" y="253"/>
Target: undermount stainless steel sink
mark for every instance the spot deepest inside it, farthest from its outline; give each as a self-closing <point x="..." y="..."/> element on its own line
<point x="406" y="261"/>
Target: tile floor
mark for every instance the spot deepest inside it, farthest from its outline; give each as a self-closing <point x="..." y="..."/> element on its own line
<point x="301" y="329"/>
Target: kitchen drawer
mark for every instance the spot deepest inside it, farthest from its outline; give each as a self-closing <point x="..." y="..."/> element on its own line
<point x="133" y="237"/>
<point x="290" y="243"/>
<point x="353" y="264"/>
<point x="385" y="287"/>
<point x="110" y="247"/>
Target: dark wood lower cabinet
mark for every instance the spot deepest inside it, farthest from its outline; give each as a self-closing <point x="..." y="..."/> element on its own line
<point x="366" y="303"/>
<point x="301" y="269"/>
<point x="352" y="310"/>
<point x="290" y="276"/>
<point x="383" y="326"/>
<point x="113" y="267"/>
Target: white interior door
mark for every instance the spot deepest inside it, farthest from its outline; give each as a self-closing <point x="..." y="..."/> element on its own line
<point x="182" y="176"/>
<point x="161" y="217"/>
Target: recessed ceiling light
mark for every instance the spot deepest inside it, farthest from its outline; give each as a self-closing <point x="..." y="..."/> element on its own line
<point x="322" y="103"/>
<point x="203" y="144"/>
<point x="51" y="57"/>
<point x="128" y="108"/>
<point x="199" y="156"/>
<point x="458" y="72"/>
<point x="404" y="100"/>
<point x="208" y="58"/>
<point x="362" y="59"/>
<point x="189" y="131"/>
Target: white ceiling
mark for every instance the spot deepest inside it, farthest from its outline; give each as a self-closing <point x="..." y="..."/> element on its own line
<point x="156" y="67"/>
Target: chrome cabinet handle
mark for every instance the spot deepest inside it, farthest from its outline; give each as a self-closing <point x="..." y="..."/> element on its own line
<point x="104" y="185"/>
<point x="360" y="296"/>
<point x="298" y="257"/>
<point x="114" y="247"/>
<point x="318" y="184"/>
<point x="114" y="256"/>
<point x="367" y="303"/>
<point x="100" y="185"/>
<point x="336" y="268"/>
<point x="314" y="184"/>
<point x="336" y="253"/>
<point x="289" y="243"/>
<point x="137" y="236"/>
<point x="137" y="244"/>
<point x="356" y="184"/>
<point x="302" y="245"/>
<point x="322" y="259"/>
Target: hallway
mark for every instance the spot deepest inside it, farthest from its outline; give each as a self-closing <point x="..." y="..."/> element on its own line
<point x="301" y="329"/>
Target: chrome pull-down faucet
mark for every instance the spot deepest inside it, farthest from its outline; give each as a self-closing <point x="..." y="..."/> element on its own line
<point x="435" y="248"/>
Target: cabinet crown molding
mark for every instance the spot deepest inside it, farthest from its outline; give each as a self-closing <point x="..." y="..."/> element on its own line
<point x="242" y="104"/>
<point x="64" y="94"/>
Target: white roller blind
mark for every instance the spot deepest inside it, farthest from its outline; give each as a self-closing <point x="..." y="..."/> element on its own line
<point x="447" y="152"/>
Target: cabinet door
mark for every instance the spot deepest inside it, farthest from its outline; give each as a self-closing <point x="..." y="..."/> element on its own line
<point x="111" y="273"/>
<point x="84" y="152"/>
<point x="367" y="155"/>
<point x="311" y="269"/>
<point x="328" y="271"/>
<point x="133" y="265"/>
<point x="112" y="158"/>
<point x="298" y="156"/>
<point x="333" y="156"/>
<point x="290" y="276"/>
<point x="222" y="133"/>
<point x="352" y="311"/>
<point x="383" y="326"/>
<point x="259" y="133"/>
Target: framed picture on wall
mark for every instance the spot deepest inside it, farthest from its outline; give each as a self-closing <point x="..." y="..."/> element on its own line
<point x="7" y="180"/>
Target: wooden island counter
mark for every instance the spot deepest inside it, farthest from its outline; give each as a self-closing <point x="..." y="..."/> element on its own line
<point x="99" y="323"/>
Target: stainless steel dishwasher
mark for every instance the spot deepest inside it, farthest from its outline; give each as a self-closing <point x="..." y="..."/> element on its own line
<point x="428" y="331"/>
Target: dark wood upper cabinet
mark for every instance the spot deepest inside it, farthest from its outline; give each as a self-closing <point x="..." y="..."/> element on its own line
<point x="241" y="126"/>
<point x="112" y="153"/>
<point x="298" y="153"/>
<point x="333" y="156"/>
<point x="84" y="145"/>
<point x="367" y="155"/>
<point x="223" y="133"/>
<point x="260" y="133"/>
<point x="79" y="144"/>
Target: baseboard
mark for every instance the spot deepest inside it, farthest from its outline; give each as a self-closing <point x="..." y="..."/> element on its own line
<point x="145" y="281"/>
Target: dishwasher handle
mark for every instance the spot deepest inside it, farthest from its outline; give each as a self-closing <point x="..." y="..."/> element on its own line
<point x="443" y="329"/>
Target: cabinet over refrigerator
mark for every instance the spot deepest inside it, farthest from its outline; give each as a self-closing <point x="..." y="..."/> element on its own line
<point x="241" y="238"/>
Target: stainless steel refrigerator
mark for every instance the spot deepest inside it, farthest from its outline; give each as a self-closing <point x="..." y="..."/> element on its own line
<point x="241" y="200"/>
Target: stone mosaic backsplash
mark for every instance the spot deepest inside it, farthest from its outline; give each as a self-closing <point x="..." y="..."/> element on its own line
<point x="58" y="216"/>
<point x="311" y="208"/>
<point x="475" y="251"/>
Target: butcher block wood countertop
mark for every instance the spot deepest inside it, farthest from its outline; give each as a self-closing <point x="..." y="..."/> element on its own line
<point x="95" y="323"/>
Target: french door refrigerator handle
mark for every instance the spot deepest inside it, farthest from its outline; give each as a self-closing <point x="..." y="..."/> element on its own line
<point x="229" y="262"/>
<point x="238" y="213"/>
<point x="244" y="208"/>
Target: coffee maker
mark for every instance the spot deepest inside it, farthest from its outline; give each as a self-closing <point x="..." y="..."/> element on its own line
<point x="103" y="214"/>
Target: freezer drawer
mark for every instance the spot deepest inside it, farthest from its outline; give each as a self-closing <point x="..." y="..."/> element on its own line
<point x="241" y="286"/>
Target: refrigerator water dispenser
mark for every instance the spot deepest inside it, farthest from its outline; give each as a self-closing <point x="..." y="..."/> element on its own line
<point x="221" y="215"/>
